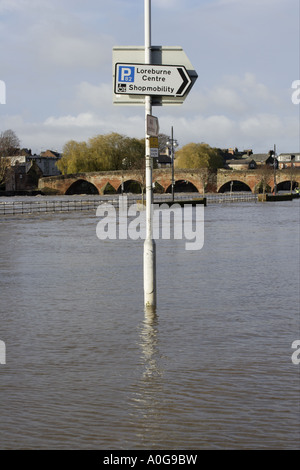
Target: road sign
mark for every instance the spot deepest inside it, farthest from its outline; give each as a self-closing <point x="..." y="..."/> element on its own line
<point x="157" y="80"/>
<point x="152" y="125"/>
<point x="160" y="55"/>
<point x="153" y="147"/>
<point x="153" y="153"/>
<point x="153" y="142"/>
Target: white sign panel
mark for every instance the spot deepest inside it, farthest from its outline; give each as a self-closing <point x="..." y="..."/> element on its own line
<point x="153" y="147"/>
<point x="155" y="80"/>
<point x="152" y="125"/>
<point x="160" y="55"/>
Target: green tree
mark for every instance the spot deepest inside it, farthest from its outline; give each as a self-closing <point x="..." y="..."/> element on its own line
<point x="133" y="154"/>
<point x="198" y="156"/>
<point x="74" y="159"/>
<point x="108" y="152"/>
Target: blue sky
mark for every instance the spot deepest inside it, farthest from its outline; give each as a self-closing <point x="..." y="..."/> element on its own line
<point x="56" y="62"/>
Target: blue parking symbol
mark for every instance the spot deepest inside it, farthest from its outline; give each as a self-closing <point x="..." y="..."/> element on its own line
<point x="126" y="74"/>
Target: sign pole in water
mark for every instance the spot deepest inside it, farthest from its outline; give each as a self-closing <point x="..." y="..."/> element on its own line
<point x="149" y="244"/>
<point x="147" y="75"/>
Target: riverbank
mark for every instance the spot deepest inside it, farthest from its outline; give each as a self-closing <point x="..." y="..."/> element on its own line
<point x="21" y="193"/>
<point x="277" y="197"/>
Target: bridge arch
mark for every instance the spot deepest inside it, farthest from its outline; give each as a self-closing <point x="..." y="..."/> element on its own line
<point x="182" y="186"/>
<point x="108" y="189"/>
<point x="130" y="186"/>
<point x="158" y="188"/>
<point x="82" y="186"/>
<point x="234" y="186"/>
<point x="286" y="185"/>
<point x="262" y="187"/>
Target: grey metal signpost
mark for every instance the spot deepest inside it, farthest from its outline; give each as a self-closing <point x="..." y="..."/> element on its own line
<point x="150" y="76"/>
<point x="149" y="244"/>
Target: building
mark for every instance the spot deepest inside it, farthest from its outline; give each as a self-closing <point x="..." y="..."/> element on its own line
<point x="24" y="169"/>
<point x="252" y="162"/>
<point x="163" y="161"/>
<point x="21" y="178"/>
<point x="46" y="161"/>
<point x="241" y="164"/>
<point x="288" y="160"/>
<point x="235" y="154"/>
<point x="263" y="158"/>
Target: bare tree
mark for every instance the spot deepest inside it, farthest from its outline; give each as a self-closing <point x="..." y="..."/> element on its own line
<point x="162" y="142"/>
<point x="9" y="146"/>
<point x="265" y="173"/>
<point x="9" y="143"/>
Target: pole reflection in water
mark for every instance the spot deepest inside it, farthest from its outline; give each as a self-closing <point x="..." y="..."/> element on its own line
<point x="149" y="345"/>
<point x="147" y="399"/>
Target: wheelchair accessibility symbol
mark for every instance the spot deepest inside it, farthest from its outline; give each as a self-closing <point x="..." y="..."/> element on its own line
<point x="122" y="88"/>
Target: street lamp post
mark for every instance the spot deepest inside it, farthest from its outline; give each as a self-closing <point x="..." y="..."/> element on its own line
<point x="275" y="184"/>
<point x="172" y="144"/>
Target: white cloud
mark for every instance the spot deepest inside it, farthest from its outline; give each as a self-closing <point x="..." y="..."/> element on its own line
<point x="89" y="96"/>
<point x="91" y="123"/>
<point x="259" y="131"/>
<point x="240" y="112"/>
<point x="20" y="5"/>
<point x="166" y="3"/>
<point x="70" y="49"/>
<point x="81" y="120"/>
<point x="250" y="2"/>
<point x="235" y="96"/>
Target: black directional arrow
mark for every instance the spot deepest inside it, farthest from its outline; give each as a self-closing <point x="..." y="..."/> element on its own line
<point x="186" y="81"/>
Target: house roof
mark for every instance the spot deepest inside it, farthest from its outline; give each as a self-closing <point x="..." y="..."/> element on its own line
<point x="260" y="157"/>
<point x="241" y="161"/>
<point x="51" y="154"/>
<point x="289" y="154"/>
<point x="287" y="157"/>
<point x="164" y="159"/>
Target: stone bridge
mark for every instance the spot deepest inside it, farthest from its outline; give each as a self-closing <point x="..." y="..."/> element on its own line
<point x="253" y="179"/>
<point x="112" y="181"/>
<point x="185" y="181"/>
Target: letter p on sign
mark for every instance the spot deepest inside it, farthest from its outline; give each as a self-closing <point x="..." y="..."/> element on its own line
<point x="126" y="74"/>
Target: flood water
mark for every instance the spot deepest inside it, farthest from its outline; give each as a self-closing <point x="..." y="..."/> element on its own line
<point x="86" y="368"/>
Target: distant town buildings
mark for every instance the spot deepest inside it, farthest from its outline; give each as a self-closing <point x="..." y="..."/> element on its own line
<point x="288" y="160"/>
<point x="46" y="161"/>
<point x="25" y="169"/>
<point x="251" y="161"/>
